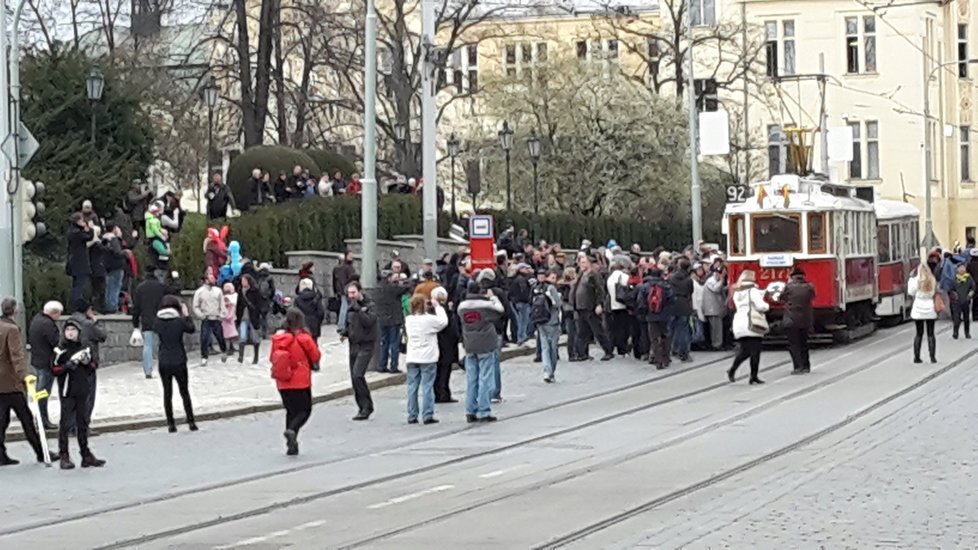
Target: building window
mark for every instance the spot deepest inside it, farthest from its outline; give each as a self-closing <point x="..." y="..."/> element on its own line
<point x="653" y="57"/>
<point x="777" y="151"/>
<point x="542" y="52"/>
<point x="965" y="153"/>
<point x="969" y="234"/>
<point x="611" y="49"/>
<point x="707" y="99"/>
<point x="861" y="45"/>
<point x="780" y="49"/>
<point x="521" y="59"/>
<point x="865" y="162"/>
<point x="963" y="50"/>
<point x="582" y="49"/>
<point x="702" y="13"/>
<point x="737" y="234"/>
<point x="463" y="69"/>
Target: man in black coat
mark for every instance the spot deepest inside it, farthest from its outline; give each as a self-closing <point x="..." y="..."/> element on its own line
<point x="798" y="297"/>
<point x="681" y="282"/>
<point x="43" y="336"/>
<point x="145" y="305"/>
<point x="390" y="318"/>
<point x="79" y="266"/>
<point x="361" y="330"/>
<point x="587" y="296"/>
<point x="219" y="197"/>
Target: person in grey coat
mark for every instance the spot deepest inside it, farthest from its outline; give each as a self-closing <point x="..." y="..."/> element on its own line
<point x="479" y="313"/>
<point x="715" y="305"/>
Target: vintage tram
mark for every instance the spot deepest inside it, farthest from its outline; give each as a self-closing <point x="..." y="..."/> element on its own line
<point x="857" y="250"/>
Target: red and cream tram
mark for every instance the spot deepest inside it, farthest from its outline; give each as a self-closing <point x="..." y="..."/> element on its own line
<point x="856" y="250"/>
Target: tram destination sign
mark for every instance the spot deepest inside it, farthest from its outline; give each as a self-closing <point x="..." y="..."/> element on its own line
<point x="777" y="260"/>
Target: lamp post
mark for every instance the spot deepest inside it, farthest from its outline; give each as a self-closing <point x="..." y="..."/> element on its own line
<point x="211" y="92"/>
<point x="533" y="147"/>
<point x="453" y="145"/>
<point x="94" y="85"/>
<point x="400" y="137"/>
<point x="506" y="142"/>
<point x="930" y="240"/>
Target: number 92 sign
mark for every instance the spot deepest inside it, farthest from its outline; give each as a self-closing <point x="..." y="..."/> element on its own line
<point x="736" y="193"/>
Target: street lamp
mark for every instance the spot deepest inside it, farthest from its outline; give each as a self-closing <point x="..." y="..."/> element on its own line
<point x="506" y="142"/>
<point x="533" y="147"/>
<point x="453" y="145"/>
<point x="94" y="85"/>
<point x="400" y="132"/>
<point x="211" y="92"/>
<point x="930" y="240"/>
<point x="400" y="138"/>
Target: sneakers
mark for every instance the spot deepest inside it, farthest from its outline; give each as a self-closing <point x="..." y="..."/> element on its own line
<point x="193" y="426"/>
<point x="172" y="427"/>
<point x="486" y="419"/>
<point x="430" y="421"/>
<point x="203" y="361"/>
<point x="471" y="418"/>
<point x="412" y="421"/>
<point x="549" y="379"/>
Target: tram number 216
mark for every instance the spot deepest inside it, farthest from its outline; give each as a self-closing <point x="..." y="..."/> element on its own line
<point x="736" y="193"/>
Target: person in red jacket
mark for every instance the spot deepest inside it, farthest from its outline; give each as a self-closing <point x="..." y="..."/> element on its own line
<point x="293" y="353"/>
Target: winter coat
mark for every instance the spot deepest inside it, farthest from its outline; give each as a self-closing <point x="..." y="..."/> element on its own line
<point x="43" y="336"/>
<point x="303" y="352"/>
<point x="342" y="275"/>
<point x="153" y="226"/>
<point x="748" y="297"/>
<point x="228" y="326"/>
<point x="389" y="310"/>
<point x="588" y="292"/>
<point x="963" y="290"/>
<point x="114" y="257"/>
<point x="159" y="254"/>
<point x="96" y="257"/>
<point x="681" y="283"/>
<point x="616" y="279"/>
<point x="218" y="200"/>
<point x="170" y="327"/>
<point x="146" y="303"/>
<point x="208" y="304"/>
<point x="92" y="334"/>
<point x="797" y="297"/>
<point x="74" y="368"/>
<point x="923" y="302"/>
<point x="519" y="290"/>
<point x="249" y="307"/>
<point x="714" y="297"/>
<point x="973" y="267"/>
<point x="215" y="256"/>
<point x="310" y="303"/>
<point x="361" y="322"/>
<point x="78" y="264"/>
<point x="699" y="289"/>
<point x="422" y="336"/>
<point x="948" y="271"/>
<point x="13" y="365"/>
<point x="479" y="315"/>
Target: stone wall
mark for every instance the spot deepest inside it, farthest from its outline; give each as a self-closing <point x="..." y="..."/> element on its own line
<point x="408" y="252"/>
<point x="323" y="264"/>
<point x="116" y="348"/>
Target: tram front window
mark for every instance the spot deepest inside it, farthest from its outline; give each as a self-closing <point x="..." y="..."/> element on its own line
<point x="776" y="233"/>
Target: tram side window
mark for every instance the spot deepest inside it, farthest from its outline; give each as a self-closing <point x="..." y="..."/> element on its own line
<point x="896" y="248"/>
<point x="883" y="241"/>
<point x="816" y="233"/>
<point x="737" y="235"/>
<point x="776" y="233"/>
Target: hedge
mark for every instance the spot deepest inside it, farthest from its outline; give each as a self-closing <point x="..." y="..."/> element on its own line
<point x="330" y="162"/>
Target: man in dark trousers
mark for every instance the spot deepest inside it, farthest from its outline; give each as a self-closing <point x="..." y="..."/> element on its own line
<point x="79" y="267"/>
<point x="44" y="336"/>
<point x="798" y="296"/>
<point x="343" y="275"/>
<point x="219" y="197"/>
<point x="145" y="305"/>
<point x="361" y="330"/>
<point x="587" y="295"/>
<point x="13" y="370"/>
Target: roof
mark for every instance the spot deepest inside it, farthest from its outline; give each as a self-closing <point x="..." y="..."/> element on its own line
<point x="889" y="209"/>
<point x="515" y="9"/>
<point x="804" y="194"/>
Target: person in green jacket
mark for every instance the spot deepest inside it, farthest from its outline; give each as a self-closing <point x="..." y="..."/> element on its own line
<point x="154" y="226"/>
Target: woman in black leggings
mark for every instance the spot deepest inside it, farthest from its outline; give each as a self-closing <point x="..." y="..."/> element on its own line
<point x="748" y="299"/>
<point x="922" y="287"/>
<point x="172" y="322"/>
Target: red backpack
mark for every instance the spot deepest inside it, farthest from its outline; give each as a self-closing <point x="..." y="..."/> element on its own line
<point x="281" y="365"/>
<point x="657" y="298"/>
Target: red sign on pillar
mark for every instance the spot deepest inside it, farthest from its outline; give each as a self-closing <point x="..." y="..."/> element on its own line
<point x="482" y="242"/>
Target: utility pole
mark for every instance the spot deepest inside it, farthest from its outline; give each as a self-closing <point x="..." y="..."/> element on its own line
<point x="823" y="121"/>
<point x="368" y="201"/>
<point x="8" y="265"/>
<point x="694" y="176"/>
<point x="744" y="38"/>
<point x="429" y="193"/>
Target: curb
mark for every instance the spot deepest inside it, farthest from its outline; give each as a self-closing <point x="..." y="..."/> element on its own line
<point x="142" y="424"/>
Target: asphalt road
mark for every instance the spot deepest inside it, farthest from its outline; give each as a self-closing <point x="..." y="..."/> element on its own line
<point x="868" y="450"/>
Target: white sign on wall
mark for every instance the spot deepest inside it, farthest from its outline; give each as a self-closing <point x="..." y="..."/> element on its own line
<point x="714" y="133"/>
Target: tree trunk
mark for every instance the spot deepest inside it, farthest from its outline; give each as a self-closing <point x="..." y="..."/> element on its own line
<point x="282" y="122"/>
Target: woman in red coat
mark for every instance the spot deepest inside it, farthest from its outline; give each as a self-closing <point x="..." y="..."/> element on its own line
<point x="293" y="353"/>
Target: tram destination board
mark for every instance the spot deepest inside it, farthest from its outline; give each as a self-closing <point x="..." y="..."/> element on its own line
<point x="736" y="193"/>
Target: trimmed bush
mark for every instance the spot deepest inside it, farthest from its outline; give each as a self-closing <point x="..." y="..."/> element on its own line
<point x="330" y="162"/>
<point x="273" y="158"/>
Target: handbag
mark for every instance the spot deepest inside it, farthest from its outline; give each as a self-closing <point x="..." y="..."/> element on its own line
<point x="136" y="340"/>
<point x="756" y="320"/>
<point x="938" y="302"/>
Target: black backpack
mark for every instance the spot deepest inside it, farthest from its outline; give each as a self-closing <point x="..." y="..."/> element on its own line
<point x="541" y="308"/>
<point x="627" y="295"/>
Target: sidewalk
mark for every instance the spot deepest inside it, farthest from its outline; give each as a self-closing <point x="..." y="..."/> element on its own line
<point x="126" y="400"/>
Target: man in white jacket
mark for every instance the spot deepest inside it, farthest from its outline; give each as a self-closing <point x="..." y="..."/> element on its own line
<point x="209" y="308"/>
<point x="618" y="317"/>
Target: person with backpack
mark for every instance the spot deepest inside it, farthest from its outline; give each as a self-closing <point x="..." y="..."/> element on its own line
<point x="636" y="317"/>
<point x="620" y="294"/>
<point x="422" y="326"/>
<point x="519" y="298"/>
<point x="172" y="322"/>
<point x="658" y="297"/>
<point x="545" y="314"/>
<point x="293" y="353"/>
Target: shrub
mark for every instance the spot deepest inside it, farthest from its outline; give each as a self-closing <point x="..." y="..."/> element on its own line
<point x="330" y="162"/>
<point x="273" y="158"/>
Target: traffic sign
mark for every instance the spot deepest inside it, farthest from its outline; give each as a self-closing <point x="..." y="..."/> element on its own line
<point x="19" y="155"/>
<point x="736" y="193"/>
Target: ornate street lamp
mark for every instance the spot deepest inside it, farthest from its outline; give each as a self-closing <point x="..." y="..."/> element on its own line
<point x="533" y="148"/>
<point x="211" y="92"/>
<point x="94" y="86"/>
<point x="506" y="142"/>
<point x="453" y="146"/>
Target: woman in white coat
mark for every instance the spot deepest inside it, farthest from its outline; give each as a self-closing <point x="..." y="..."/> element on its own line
<point x="427" y="319"/>
<point x="922" y="287"/>
<point x="748" y="297"/>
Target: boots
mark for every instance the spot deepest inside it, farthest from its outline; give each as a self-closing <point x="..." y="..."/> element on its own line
<point x="916" y="349"/>
<point x="932" y="346"/>
<point x="5" y="459"/>
<point x="89" y="461"/>
<point x="66" y="463"/>
<point x="241" y="353"/>
<point x="171" y="426"/>
<point x="255" y="360"/>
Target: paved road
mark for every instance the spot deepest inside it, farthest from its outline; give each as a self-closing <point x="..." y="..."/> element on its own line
<point x="615" y="455"/>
